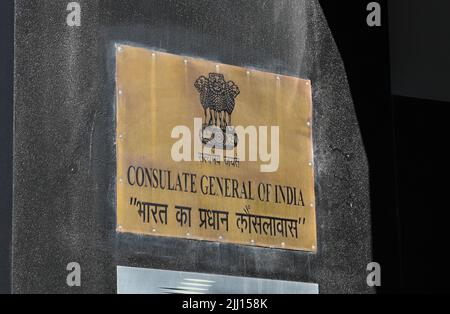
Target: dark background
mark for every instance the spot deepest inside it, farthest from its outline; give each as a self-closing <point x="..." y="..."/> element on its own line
<point x="404" y="134"/>
<point x="365" y="52"/>
<point x="6" y="99"/>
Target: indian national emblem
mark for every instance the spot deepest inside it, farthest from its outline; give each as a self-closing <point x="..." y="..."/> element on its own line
<point x="218" y="99"/>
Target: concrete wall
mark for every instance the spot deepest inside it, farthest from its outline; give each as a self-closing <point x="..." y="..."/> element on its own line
<point x="64" y="153"/>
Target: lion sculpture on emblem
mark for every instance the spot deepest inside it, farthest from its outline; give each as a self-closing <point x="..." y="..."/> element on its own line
<point x="217" y="97"/>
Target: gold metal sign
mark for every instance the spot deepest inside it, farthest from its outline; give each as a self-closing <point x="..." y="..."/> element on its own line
<point x="213" y="152"/>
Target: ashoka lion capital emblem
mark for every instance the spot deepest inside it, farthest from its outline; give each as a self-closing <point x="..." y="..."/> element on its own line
<point x="218" y="99"/>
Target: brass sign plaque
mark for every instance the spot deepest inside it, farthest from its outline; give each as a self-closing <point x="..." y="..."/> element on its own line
<point x="213" y="152"/>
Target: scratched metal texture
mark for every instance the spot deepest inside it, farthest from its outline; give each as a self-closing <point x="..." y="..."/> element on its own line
<point x="64" y="151"/>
